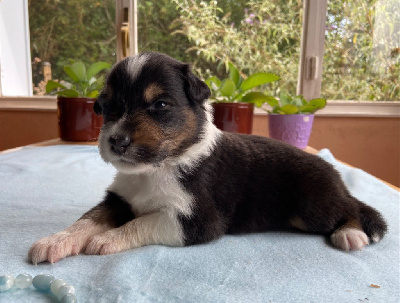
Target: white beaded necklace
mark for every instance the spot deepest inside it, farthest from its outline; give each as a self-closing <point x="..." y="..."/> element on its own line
<point x="44" y="283"/>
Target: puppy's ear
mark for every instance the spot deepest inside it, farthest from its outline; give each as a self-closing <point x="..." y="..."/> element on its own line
<point x="195" y="89"/>
<point x="97" y="108"/>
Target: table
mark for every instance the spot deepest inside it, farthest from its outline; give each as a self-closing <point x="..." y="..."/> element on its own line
<point x="44" y="190"/>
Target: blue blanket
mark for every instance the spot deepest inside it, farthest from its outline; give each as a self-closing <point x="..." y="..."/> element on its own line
<point x="45" y="189"/>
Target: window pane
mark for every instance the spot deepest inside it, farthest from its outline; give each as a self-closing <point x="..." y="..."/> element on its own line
<point x="362" y="50"/>
<point x="256" y="35"/>
<point x="155" y="29"/>
<point x="81" y="30"/>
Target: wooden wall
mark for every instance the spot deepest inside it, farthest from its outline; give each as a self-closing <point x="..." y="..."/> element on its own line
<point x="20" y="127"/>
<point x="372" y="144"/>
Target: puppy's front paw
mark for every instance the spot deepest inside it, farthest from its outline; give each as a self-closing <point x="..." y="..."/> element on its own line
<point x="110" y="242"/>
<point x="55" y="247"/>
<point x="69" y="242"/>
<point x="349" y="239"/>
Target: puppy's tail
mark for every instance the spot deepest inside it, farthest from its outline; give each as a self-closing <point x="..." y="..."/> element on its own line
<point x="372" y="222"/>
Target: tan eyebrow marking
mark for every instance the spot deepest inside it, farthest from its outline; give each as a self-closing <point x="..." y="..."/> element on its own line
<point x="151" y="92"/>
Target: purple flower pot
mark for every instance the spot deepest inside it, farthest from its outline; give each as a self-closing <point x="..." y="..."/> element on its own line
<point x="292" y="129"/>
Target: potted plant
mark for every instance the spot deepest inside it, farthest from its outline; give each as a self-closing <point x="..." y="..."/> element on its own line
<point x="75" y="99"/>
<point x="234" y="98"/>
<point x="291" y="118"/>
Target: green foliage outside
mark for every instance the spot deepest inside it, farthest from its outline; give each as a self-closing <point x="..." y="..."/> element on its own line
<point x="81" y="30"/>
<point x="265" y="40"/>
<point x="362" y="59"/>
<point x="155" y="19"/>
<point x="362" y="52"/>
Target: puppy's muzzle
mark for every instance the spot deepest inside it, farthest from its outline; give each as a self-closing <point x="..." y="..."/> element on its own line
<point x="119" y="143"/>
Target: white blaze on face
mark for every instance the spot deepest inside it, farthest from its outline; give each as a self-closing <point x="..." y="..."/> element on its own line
<point x="135" y="65"/>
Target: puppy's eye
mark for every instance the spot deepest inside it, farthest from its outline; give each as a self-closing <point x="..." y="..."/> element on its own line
<point x="160" y="104"/>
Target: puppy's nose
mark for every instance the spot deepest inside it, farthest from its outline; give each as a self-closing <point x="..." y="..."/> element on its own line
<point x="119" y="143"/>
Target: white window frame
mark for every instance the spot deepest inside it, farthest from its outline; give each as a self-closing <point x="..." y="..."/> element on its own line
<point x="312" y="51"/>
<point x="310" y="71"/>
<point x="131" y="24"/>
<point x="15" y="66"/>
<point x="312" y="48"/>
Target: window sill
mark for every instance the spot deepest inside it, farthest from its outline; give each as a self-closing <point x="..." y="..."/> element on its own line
<point x="333" y="108"/>
<point x="353" y="109"/>
<point x="43" y="103"/>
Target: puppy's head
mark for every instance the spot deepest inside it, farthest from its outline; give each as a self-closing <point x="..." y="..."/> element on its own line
<point x="154" y="109"/>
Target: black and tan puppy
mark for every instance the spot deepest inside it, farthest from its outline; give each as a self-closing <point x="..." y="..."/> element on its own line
<point x="181" y="181"/>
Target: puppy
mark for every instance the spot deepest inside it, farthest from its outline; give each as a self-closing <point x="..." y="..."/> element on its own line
<point x="181" y="181"/>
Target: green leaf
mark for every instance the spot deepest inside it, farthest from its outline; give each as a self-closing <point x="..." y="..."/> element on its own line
<point x="213" y="80"/>
<point x="317" y="103"/>
<point x="227" y="88"/>
<point x="259" y="99"/>
<point x="238" y="96"/>
<point x="93" y="94"/>
<point x="298" y="101"/>
<point x="234" y="74"/>
<point x="284" y="98"/>
<point x="257" y="80"/>
<point x="52" y="85"/>
<point x="71" y="74"/>
<point x="307" y="109"/>
<point x="289" y="109"/>
<point x="95" y="68"/>
<point x="80" y="70"/>
<point x="272" y="101"/>
<point x="66" y="84"/>
<point x="76" y="71"/>
<point x="68" y="93"/>
<point x="312" y="106"/>
<point x="275" y="109"/>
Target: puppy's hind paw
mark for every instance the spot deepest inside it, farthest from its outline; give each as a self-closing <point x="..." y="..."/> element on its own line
<point x="349" y="239"/>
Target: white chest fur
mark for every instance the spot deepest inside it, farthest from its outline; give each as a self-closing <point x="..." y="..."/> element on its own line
<point x="152" y="191"/>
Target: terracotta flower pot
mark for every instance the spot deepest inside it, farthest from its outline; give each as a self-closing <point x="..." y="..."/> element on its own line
<point x="77" y="120"/>
<point x="292" y="129"/>
<point x="234" y="117"/>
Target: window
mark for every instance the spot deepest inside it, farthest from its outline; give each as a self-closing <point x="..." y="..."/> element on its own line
<point x="256" y="36"/>
<point x="81" y="30"/>
<point x="362" y="50"/>
<point x="360" y="62"/>
<point x="14" y="49"/>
